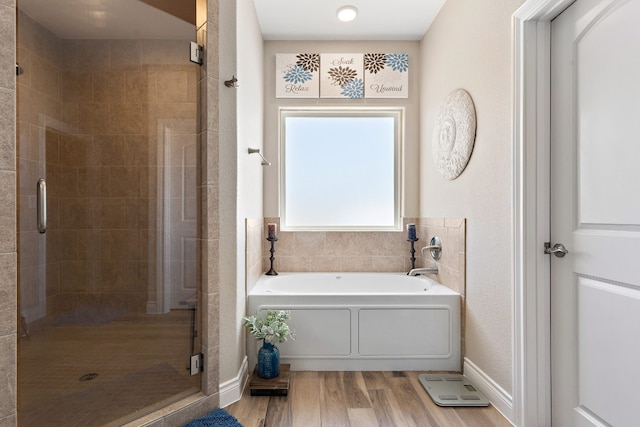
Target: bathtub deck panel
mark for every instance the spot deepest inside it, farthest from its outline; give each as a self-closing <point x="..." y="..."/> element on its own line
<point x="412" y="324"/>
<point x="382" y="332"/>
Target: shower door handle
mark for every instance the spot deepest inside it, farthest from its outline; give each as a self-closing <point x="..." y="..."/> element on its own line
<point x="41" y="192"/>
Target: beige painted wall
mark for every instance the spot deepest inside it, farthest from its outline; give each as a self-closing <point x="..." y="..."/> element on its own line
<point x="241" y="115"/>
<point x="469" y="47"/>
<point x="250" y="131"/>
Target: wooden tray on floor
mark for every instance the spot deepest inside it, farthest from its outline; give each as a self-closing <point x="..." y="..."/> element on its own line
<point x="278" y="386"/>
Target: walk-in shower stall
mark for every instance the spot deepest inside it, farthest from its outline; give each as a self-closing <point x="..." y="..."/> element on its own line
<point x="107" y="211"/>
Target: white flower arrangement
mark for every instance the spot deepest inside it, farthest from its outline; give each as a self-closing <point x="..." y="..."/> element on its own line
<point x="271" y="328"/>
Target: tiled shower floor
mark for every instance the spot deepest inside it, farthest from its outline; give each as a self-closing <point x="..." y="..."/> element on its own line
<point x="141" y="364"/>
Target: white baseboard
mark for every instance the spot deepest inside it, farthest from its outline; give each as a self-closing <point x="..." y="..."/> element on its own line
<point x="498" y="397"/>
<point x="231" y="391"/>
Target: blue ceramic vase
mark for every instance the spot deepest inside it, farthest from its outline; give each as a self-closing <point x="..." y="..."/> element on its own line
<point x="268" y="361"/>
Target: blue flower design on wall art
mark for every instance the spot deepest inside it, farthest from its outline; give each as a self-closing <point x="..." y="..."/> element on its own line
<point x="341" y="75"/>
<point x="398" y="61"/>
<point x="297" y="74"/>
<point x="386" y="75"/>
<point x="353" y="89"/>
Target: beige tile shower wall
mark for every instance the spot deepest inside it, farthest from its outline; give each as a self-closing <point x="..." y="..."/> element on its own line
<point x="132" y="105"/>
<point x="8" y="258"/>
<point x="113" y="123"/>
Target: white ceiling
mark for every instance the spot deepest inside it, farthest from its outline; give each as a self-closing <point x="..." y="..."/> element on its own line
<point x="316" y="19"/>
<point x="279" y="19"/>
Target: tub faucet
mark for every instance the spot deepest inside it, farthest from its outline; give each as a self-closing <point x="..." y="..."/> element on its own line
<point x="423" y="270"/>
<point x="434" y="247"/>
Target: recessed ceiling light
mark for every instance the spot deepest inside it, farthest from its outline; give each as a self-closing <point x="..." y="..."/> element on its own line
<point x="347" y="13"/>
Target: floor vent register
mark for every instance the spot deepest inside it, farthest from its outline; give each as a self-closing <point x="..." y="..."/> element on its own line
<point x="452" y="390"/>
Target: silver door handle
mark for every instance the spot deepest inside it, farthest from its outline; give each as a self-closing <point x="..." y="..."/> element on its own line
<point x="558" y="249"/>
<point x="41" y="191"/>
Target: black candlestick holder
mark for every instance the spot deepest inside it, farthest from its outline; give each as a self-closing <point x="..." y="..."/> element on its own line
<point x="271" y="271"/>
<point x="413" y="251"/>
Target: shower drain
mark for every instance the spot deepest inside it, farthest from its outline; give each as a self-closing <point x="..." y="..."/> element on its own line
<point x="88" y="377"/>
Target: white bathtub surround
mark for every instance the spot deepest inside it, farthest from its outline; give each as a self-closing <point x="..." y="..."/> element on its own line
<point x="363" y="252"/>
<point x="363" y="321"/>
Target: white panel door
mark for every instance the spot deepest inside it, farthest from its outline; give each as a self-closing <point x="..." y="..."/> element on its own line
<point x="179" y="217"/>
<point x="595" y="213"/>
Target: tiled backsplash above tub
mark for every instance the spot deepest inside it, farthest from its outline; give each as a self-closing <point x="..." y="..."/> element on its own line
<point x="360" y="251"/>
<point x="453" y="237"/>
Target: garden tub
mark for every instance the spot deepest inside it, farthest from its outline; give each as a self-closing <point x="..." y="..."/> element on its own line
<point x="362" y="321"/>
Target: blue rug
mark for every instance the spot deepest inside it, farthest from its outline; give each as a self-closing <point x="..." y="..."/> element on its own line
<point x="216" y="418"/>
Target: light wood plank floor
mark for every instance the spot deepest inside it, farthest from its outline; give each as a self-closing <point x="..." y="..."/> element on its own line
<point x="350" y="399"/>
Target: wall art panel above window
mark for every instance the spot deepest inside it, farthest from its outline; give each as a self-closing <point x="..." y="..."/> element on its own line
<point x="341" y="75"/>
<point x="297" y="75"/>
<point x="386" y="75"/>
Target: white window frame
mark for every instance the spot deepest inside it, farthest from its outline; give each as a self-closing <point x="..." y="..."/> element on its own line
<point x="397" y="113"/>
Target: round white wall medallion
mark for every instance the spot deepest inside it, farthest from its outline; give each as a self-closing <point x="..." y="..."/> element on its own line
<point x="454" y="134"/>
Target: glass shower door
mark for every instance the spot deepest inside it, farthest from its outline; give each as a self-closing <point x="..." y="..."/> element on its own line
<point x="107" y="124"/>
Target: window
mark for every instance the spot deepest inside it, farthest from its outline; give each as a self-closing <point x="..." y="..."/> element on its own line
<point x="340" y="169"/>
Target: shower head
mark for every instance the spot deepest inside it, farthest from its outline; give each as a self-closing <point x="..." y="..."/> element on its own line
<point x="264" y="162"/>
